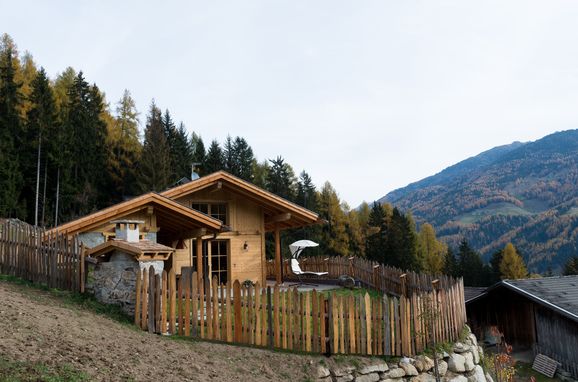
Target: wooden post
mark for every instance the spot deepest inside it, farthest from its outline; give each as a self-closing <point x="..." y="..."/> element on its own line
<point x="278" y="278"/>
<point x="269" y="319"/>
<point x="402" y="278"/>
<point x="435" y="285"/>
<point x="199" y="244"/>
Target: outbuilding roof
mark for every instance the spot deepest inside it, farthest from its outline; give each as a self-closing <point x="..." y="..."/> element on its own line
<point x="559" y="293"/>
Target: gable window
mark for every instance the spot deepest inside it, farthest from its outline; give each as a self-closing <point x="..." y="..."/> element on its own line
<point x="214" y="210"/>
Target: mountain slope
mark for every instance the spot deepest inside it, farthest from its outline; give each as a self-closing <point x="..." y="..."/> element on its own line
<point x="526" y="193"/>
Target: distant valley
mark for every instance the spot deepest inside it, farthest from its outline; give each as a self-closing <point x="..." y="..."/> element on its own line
<point x="524" y="193"/>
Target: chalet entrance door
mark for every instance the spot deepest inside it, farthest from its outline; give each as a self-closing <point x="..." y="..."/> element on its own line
<point x="219" y="260"/>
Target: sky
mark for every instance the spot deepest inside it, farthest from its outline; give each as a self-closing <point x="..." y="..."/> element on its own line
<point x="368" y="95"/>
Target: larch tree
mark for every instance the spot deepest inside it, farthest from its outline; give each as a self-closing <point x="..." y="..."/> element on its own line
<point x="432" y="252"/>
<point x="154" y="171"/>
<point x="512" y="265"/>
<point x="333" y="236"/>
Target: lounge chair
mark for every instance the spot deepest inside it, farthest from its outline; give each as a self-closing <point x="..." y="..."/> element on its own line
<point x="296" y="269"/>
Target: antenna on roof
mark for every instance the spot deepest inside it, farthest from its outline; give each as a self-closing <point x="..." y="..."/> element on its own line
<point x="194" y="175"/>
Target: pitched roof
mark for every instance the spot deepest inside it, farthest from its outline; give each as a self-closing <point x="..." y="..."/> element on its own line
<point x="559" y="293"/>
<point x="170" y="215"/>
<point x="277" y="209"/>
<point x="137" y="249"/>
<point x="471" y="293"/>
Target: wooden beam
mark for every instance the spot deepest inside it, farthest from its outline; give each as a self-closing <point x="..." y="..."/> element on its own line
<point x="217" y="187"/>
<point x="278" y="279"/>
<point x="278" y="218"/>
<point x="199" y="244"/>
<point x="197" y="232"/>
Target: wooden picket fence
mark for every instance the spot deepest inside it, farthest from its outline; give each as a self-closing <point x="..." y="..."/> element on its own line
<point x="372" y="274"/>
<point x="31" y="253"/>
<point x="299" y="321"/>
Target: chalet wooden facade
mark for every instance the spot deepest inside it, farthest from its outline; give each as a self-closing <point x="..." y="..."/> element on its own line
<point x="219" y="216"/>
<point x="538" y="314"/>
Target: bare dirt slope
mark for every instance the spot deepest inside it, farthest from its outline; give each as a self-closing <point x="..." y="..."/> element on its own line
<point x="36" y="326"/>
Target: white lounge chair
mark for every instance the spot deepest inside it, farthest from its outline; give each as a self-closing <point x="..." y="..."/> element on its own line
<point x="296" y="269"/>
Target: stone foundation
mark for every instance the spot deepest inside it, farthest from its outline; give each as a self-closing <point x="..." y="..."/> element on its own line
<point x="461" y="365"/>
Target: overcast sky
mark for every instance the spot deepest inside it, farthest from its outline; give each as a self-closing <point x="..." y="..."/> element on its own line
<point x="369" y="95"/>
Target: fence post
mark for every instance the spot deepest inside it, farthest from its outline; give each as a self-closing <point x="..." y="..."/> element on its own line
<point x="270" y="330"/>
<point x="435" y="284"/>
<point x="328" y="324"/>
<point x="402" y="278"/>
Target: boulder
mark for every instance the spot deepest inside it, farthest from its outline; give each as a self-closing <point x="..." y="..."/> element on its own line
<point x="394" y="372"/>
<point x="456" y="363"/>
<point x="341" y="371"/>
<point x="423" y="363"/>
<point x="474" y="351"/>
<point x="473" y="338"/>
<point x="375" y="368"/>
<point x="322" y="371"/>
<point x="442" y="368"/>
<point x="409" y="369"/>
<point x="424" y="377"/>
<point x="460" y="347"/>
<point x="477" y="375"/>
<point x="344" y="378"/>
<point x="469" y="361"/>
<point x="371" y="377"/>
<point x="457" y="378"/>
<point x="325" y="379"/>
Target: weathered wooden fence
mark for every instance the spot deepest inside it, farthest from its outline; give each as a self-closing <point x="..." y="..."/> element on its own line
<point x="374" y="275"/>
<point x="33" y="254"/>
<point x="302" y="321"/>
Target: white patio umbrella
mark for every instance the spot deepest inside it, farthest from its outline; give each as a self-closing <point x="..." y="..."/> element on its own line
<point x="298" y="247"/>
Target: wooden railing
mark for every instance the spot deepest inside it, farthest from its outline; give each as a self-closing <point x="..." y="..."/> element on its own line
<point x="307" y="321"/>
<point x="28" y="252"/>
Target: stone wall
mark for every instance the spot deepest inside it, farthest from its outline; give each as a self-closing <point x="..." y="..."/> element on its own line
<point x="461" y="365"/>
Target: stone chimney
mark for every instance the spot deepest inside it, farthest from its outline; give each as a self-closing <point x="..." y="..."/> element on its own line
<point x="127" y="230"/>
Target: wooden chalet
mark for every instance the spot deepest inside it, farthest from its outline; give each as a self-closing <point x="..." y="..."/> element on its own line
<point x="539" y="314"/>
<point x="219" y="216"/>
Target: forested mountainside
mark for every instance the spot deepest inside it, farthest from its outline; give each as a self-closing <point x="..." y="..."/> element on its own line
<point x="524" y="193"/>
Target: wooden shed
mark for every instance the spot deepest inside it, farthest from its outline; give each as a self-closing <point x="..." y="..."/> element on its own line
<point x="539" y="314"/>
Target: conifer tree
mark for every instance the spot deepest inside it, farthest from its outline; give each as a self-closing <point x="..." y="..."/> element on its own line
<point x="181" y="154"/>
<point x="198" y="152"/>
<point x="281" y="179"/>
<point x="243" y="159"/>
<point x="512" y="265"/>
<point x="260" y="173"/>
<point x="11" y="135"/>
<point x="571" y="266"/>
<point x="306" y="194"/>
<point x="214" y="158"/>
<point x="333" y="238"/>
<point x="470" y="266"/>
<point x="154" y="168"/>
<point x="375" y="242"/>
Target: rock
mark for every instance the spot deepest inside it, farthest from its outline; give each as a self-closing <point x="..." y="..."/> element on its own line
<point x="391" y="380"/>
<point x="341" y="371"/>
<point x="481" y="352"/>
<point x="409" y="369"/>
<point x="394" y="372"/>
<point x="489" y="378"/>
<point x="344" y="378"/>
<point x="325" y="379"/>
<point x="322" y="371"/>
<point x="456" y="363"/>
<point x="371" y="377"/>
<point x="346" y="281"/>
<point x="375" y="368"/>
<point x="477" y="375"/>
<point x="474" y="351"/>
<point x="473" y="338"/>
<point x="423" y="363"/>
<point x="442" y="368"/>
<point x="469" y="361"/>
<point x="457" y="378"/>
<point x="461" y="347"/>
<point x="424" y="377"/>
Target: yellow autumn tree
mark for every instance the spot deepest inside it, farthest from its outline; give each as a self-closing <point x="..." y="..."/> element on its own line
<point x="512" y="265"/>
<point x="432" y="253"/>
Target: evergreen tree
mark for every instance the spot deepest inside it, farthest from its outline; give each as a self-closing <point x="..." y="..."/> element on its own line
<point x="451" y="266"/>
<point x="495" y="261"/>
<point x="333" y="237"/>
<point x="281" y="179"/>
<point x="243" y="159"/>
<point x="375" y="242"/>
<point x="41" y="118"/>
<point x="260" y="173"/>
<point x="571" y="266"/>
<point x="306" y="194"/>
<point x="154" y="169"/>
<point x="512" y="265"/>
<point x="198" y="152"/>
<point x="214" y="158"/>
<point x="11" y="134"/>
<point x="470" y="266"/>
<point x="182" y="154"/>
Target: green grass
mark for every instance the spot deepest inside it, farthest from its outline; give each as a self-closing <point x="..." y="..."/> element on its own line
<point x="72" y="300"/>
<point x="13" y="371"/>
<point x="354" y="292"/>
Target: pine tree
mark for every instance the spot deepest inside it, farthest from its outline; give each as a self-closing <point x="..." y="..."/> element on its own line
<point x="243" y="159"/>
<point x="214" y="158"/>
<point x="41" y="125"/>
<point x="306" y="194"/>
<point x="198" y="152"/>
<point x="571" y="266"/>
<point x="470" y="266"/>
<point x="281" y="179"/>
<point x="375" y="242"/>
<point x="512" y="265"/>
<point x="11" y="135"/>
<point x="181" y="154"/>
<point x="154" y="168"/>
